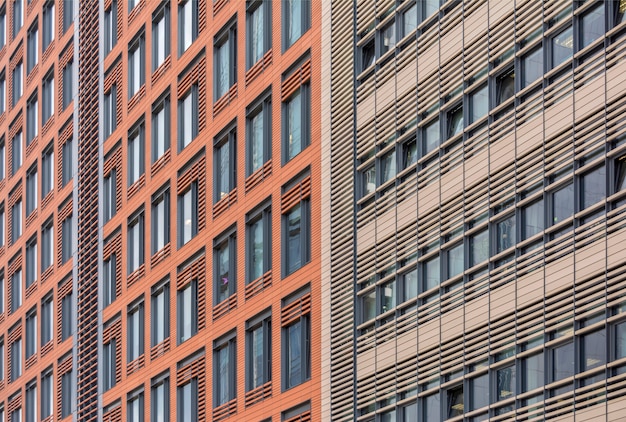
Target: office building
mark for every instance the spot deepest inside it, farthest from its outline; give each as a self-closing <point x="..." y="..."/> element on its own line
<point x="476" y="207"/>
<point x="160" y="210"/>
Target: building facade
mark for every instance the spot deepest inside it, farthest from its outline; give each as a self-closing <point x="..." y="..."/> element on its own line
<point x="477" y="160"/>
<point x="160" y="210"/>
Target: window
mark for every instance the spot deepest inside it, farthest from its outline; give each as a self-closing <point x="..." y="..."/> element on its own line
<point x="135" y="327"/>
<point x="505" y="233"/>
<point x="132" y="4"/>
<point x="47" y="96"/>
<point x="296" y="345"/>
<point x="431" y="137"/>
<point x="67" y="170"/>
<point x="16" y="218"/>
<point x="66" y="394"/>
<point x="110" y="111"/>
<point x="562" y="203"/>
<point x="593" y="350"/>
<point x="295" y="413"/>
<point x="562" y="361"/>
<point x="160" y="35"/>
<point x="47" y="245"/>
<point x="18" y="86"/>
<point x="160" y="313"/>
<point x="188" y="214"/>
<point x="296" y="123"/>
<point x="2" y="358"/>
<point x="593" y="187"/>
<point x="47" y="392"/>
<point x="31" y="119"/>
<point x="368" y="54"/>
<point x="68" y="84"/>
<point x="259" y="243"/>
<point x="68" y="14"/>
<point x="388" y="38"/>
<point x="31" y="332"/>
<point x="454" y="401"/>
<point x="109" y="279"/>
<point x="66" y="316"/>
<point x="160" y="127"/>
<point x="32" y="47"/>
<point x="31" y="261"/>
<point x="562" y="45"/>
<point x="454" y="121"/>
<point x="136" y="155"/>
<point x="455" y="260"/>
<point x="505" y="86"/>
<point x="47" y="171"/>
<point x="479" y="392"/>
<point x="109" y="195"/>
<point x="225" y="60"/>
<point x="18" y="16"/>
<point x="409" y="153"/>
<point x="224" y="364"/>
<point x="31" y="190"/>
<point x="296" y="237"/>
<point x="16" y="359"/>
<point x="258" y="133"/>
<point x="225" y="264"/>
<point x="479" y="247"/>
<point x="532" y="219"/>
<point x="135" y="242"/>
<point x="592" y="25"/>
<point x="16" y="145"/>
<point x="531" y="66"/>
<point x="31" y="401"/>
<point x="3" y="92"/>
<point x="3" y="228"/>
<point x="296" y="20"/>
<point x="259" y="350"/>
<point x="506" y="382"/>
<point x="368" y="180"/>
<point x="188" y="117"/>
<point x="2" y="296"/>
<point x="47" y="319"/>
<point x="108" y="365"/>
<point x="16" y="290"/>
<point x="160" y="220"/>
<point x="187" y="25"/>
<point x="259" y="28"/>
<point x="409" y="20"/>
<point x="160" y="398"/>
<point x="225" y="164"/>
<point x="47" y="26"/>
<point x="479" y="103"/>
<point x="136" y="63"/>
<point x="187" y="311"/>
<point x="66" y="239"/>
<point x="187" y="399"/>
<point x="16" y="415"/>
<point x="532" y="372"/>
<point x="3" y="26"/>
<point x="388" y="166"/>
<point x="110" y="27"/>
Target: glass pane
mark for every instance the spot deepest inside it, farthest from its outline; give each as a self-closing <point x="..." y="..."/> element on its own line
<point x="256" y="141"/>
<point x="369" y="180"/>
<point x="563" y="362"/>
<point x="410" y="20"/>
<point x="532" y="218"/>
<point x="185" y="313"/>
<point x="506" y="383"/>
<point x="410" y="284"/>
<point x="409" y="155"/>
<point x="224" y="170"/>
<point x="187" y="119"/>
<point x="256" y="34"/>
<point x="505" y="234"/>
<point x="431" y="135"/>
<point x="223" y="271"/>
<point x="620" y="340"/>
<point x="455" y="401"/>
<point x="455" y="260"/>
<point x="294" y="340"/>
<point x="594" y="187"/>
<point x="388" y="164"/>
<point x="532" y="376"/>
<point x="479" y="103"/>
<point x="294" y="129"/>
<point x="479" y="247"/>
<point x="479" y="392"/>
<point x="223" y="66"/>
<point x="455" y="121"/>
<point x="592" y="26"/>
<point x="432" y="276"/>
<point x="256" y="236"/>
<point x="369" y="305"/>
<point x="187" y="25"/>
<point x="187" y="217"/>
<point x="294" y="255"/>
<point x="223" y="359"/>
<point x="388" y="41"/>
<point x="294" y="20"/>
<point x="532" y="67"/>
<point x="562" y="46"/>
<point x="431" y="408"/>
<point x="563" y="204"/>
<point x="388" y="296"/>
<point x="594" y="350"/>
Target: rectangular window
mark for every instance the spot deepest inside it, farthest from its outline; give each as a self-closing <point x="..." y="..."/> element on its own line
<point x="31" y="190"/>
<point x="296" y="228"/>
<point x="2" y="357"/>
<point x="454" y="401"/>
<point x="31" y="401"/>
<point x="454" y="257"/>
<point x="225" y="164"/>
<point x="47" y="27"/>
<point x="109" y="279"/>
<point x="31" y="261"/>
<point x="296" y="123"/>
<point x="259" y="243"/>
<point x="66" y="394"/>
<point x="66" y="239"/>
<point x="296" y="20"/>
<point x="3" y="92"/>
<point x="32" y="47"/>
<point x="592" y="25"/>
<point x="160" y="217"/>
<point x="67" y="316"/>
<point x="259" y="29"/>
<point x="16" y="415"/>
<point x="258" y="350"/>
<point x="187" y="311"/>
<point x="454" y="121"/>
<point x="110" y="111"/>
<point x="258" y="133"/>
<point x="160" y="398"/>
<point x="387" y="38"/>
<point x="135" y="242"/>
<point x="3" y="227"/>
<point x="160" y="127"/>
<point x="18" y="86"/>
<point x="16" y="290"/>
<point x="16" y="219"/>
<point x="136" y="155"/>
<point x="505" y="233"/>
<point x="532" y="219"/>
<point x="47" y="170"/>
<point x="225" y="266"/>
<point x="47" y="96"/>
<point x="532" y="372"/>
<point x="16" y="359"/>
<point x="47" y="319"/>
<point x="224" y="373"/>
<point x="532" y="66"/>
<point x="188" y="214"/>
<point x="47" y="245"/>
<point x="18" y="16"/>
<point x="188" y="117"/>
<point x="68" y="14"/>
<point x="562" y="362"/>
<point x="187" y="24"/>
<point x="16" y="155"/>
<point x="504" y="86"/>
<point x="160" y="313"/>
<point x="187" y="400"/>
<point x="135" y="331"/>
<point x="562" y="203"/>
<point x="136" y="65"/>
<point x="593" y="350"/>
<point x="479" y="103"/>
<point x="506" y="382"/>
<point x="47" y="392"/>
<point x="2" y="296"/>
<point x="593" y="187"/>
<point x="67" y="170"/>
<point x="108" y="365"/>
<point x="68" y="84"/>
<point x="296" y="346"/>
<point x="3" y="26"/>
<point x="562" y="46"/>
<point x="31" y="332"/>
<point x="225" y="60"/>
<point x="110" y="27"/>
<point x="160" y="35"/>
<point x="109" y="195"/>
<point x="479" y="392"/>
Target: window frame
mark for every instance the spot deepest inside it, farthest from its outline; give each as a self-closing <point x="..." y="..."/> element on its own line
<point x="225" y="344"/>
<point x="226" y="37"/>
<point x="225" y="141"/>
<point x="136" y="53"/>
<point x="260" y="107"/>
<point x="262" y="214"/>
<point x="161" y="14"/>
<point x="227" y="239"/>
<point x="253" y="7"/>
